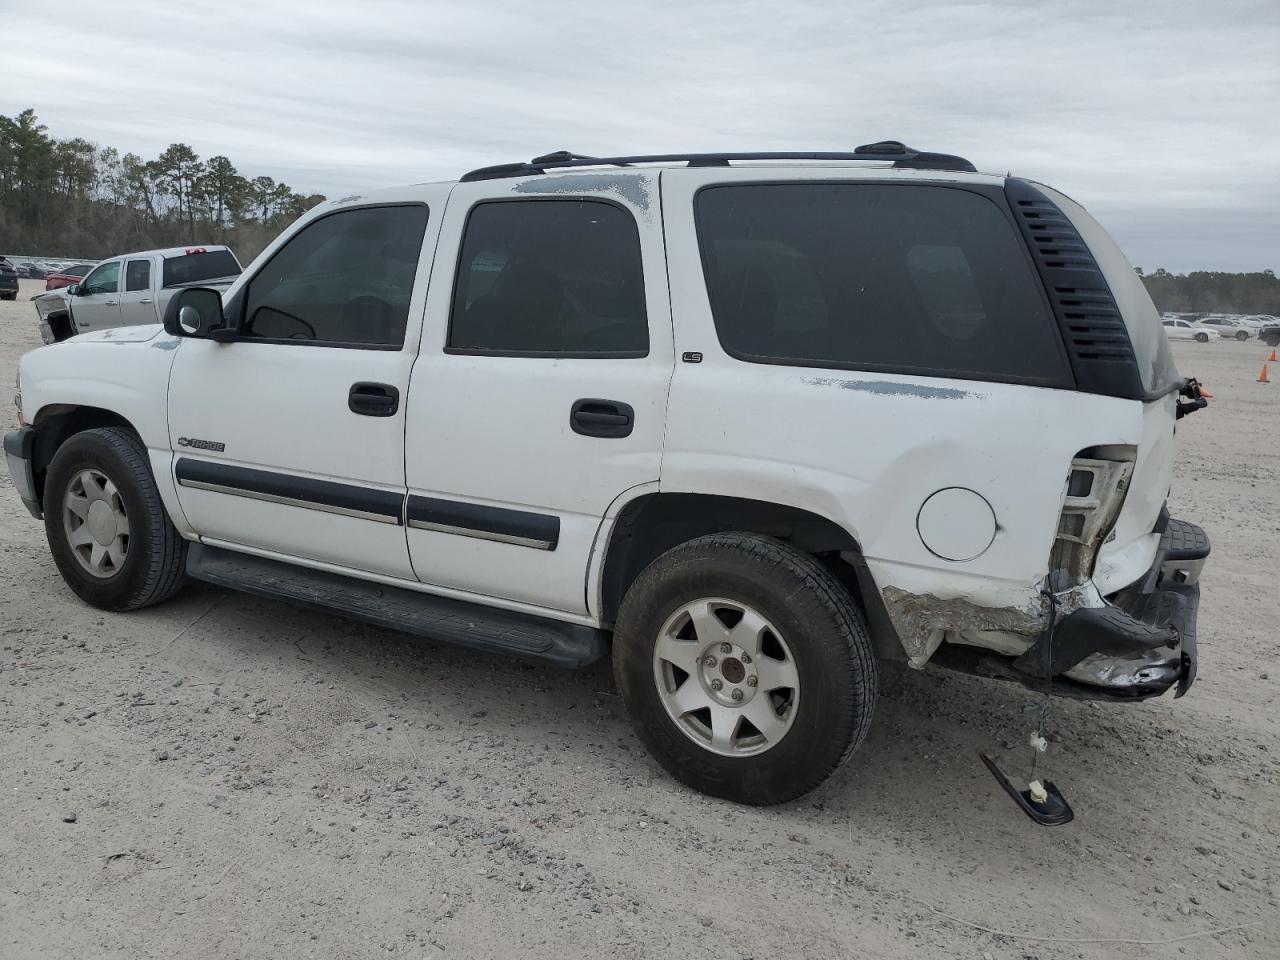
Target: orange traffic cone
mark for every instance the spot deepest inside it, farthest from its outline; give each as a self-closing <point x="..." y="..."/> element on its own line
<point x="1262" y="377"/>
<point x="1273" y="356"/>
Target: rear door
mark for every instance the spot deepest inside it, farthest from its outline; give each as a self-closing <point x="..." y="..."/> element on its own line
<point x="539" y="397"/>
<point x="137" y="302"/>
<point x="96" y="304"/>
<point x="290" y="440"/>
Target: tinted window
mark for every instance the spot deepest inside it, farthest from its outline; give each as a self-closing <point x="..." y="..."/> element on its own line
<point x="137" y="275"/>
<point x="559" y="277"/>
<point x="194" y="267"/>
<point x="913" y="279"/>
<point x="345" y="278"/>
<point x="105" y="279"/>
<point x="76" y="270"/>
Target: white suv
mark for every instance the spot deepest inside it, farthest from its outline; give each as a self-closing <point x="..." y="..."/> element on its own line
<point x="750" y="422"/>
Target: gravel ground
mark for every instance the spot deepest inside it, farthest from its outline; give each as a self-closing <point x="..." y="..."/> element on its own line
<point x="229" y="777"/>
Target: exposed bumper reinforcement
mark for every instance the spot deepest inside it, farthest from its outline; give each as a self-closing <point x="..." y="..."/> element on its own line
<point x="1141" y="644"/>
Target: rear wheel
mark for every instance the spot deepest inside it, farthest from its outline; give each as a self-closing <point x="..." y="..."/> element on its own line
<point x="108" y="531"/>
<point x="746" y="666"/>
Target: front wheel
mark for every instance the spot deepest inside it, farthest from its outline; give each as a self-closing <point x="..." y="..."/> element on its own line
<point x="746" y="666"/>
<point x="1202" y="338"/>
<point x="1242" y="335"/>
<point x="108" y="531"/>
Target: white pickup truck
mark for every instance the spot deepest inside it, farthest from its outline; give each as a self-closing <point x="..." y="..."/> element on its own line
<point x="748" y="428"/>
<point x="132" y="289"/>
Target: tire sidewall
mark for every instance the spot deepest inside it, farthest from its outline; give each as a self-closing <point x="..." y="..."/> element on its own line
<point x="83" y="451"/>
<point x="827" y="715"/>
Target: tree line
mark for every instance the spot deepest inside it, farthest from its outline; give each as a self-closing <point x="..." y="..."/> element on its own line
<point x="72" y="198"/>
<point x="1204" y="291"/>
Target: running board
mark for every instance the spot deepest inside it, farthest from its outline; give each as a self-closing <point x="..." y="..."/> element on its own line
<point x="466" y="624"/>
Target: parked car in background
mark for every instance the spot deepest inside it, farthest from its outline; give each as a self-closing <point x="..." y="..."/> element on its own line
<point x="68" y="275"/>
<point x="1270" y="334"/>
<point x="1182" y="330"/>
<point x="33" y="271"/>
<point x="131" y="290"/>
<point x="1228" y="327"/>
<point x="8" y="280"/>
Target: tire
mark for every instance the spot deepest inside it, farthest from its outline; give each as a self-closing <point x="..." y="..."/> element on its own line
<point x="1202" y="338"/>
<point x="1242" y="335"/>
<point x="809" y="617"/>
<point x="109" y="466"/>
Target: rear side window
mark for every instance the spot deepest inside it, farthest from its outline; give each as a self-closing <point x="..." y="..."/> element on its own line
<point x="343" y="279"/>
<point x="550" y="278"/>
<point x="195" y="267"/>
<point x="912" y="279"/>
<point x="137" y="275"/>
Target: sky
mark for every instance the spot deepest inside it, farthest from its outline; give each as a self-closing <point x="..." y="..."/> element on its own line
<point x="1163" y="118"/>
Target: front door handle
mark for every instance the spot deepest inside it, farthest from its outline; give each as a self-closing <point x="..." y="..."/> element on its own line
<point x="113" y="303"/>
<point x="148" y="300"/>
<point x="601" y="418"/>
<point x="373" y="399"/>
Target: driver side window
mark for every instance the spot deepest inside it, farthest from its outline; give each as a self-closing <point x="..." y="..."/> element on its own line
<point x="343" y="280"/>
<point x="105" y="279"/>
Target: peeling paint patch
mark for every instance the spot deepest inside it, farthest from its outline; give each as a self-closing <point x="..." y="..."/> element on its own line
<point x="351" y="199"/>
<point x="890" y="388"/>
<point x="170" y="344"/>
<point x="629" y="187"/>
<point x="922" y="620"/>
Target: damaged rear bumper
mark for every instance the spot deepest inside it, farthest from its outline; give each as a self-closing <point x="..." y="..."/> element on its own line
<point x="1139" y="643"/>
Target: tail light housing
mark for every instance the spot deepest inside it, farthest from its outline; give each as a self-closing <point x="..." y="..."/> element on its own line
<point x="1096" y="487"/>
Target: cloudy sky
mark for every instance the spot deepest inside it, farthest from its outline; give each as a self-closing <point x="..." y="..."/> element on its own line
<point x="1162" y="117"/>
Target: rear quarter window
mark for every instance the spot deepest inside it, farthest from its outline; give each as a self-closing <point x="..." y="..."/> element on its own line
<point x="919" y="279"/>
<point x="195" y="267"/>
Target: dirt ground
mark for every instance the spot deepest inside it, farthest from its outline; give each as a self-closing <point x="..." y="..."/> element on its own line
<point x="245" y="779"/>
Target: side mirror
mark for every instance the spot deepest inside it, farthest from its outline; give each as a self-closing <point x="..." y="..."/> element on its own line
<point x="73" y="290"/>
<point x="194" y="312"/>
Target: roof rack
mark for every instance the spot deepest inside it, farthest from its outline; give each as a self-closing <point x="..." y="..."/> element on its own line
<point x="886" y="150"/>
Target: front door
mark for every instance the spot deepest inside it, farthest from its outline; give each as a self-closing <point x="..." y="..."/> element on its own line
<point x="96" y="304"/>
<point x="539" y="397"/>
<point x="290" y="440"/>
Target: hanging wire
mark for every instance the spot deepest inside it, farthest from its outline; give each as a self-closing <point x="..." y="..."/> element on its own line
<point x="1043" y="717"/>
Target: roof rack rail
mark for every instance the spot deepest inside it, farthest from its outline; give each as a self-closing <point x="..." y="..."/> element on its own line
<point x="886" y="150"/>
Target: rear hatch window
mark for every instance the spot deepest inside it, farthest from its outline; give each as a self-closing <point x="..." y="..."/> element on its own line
<point x="195" y="267"/>
<point x="918" y="279"/>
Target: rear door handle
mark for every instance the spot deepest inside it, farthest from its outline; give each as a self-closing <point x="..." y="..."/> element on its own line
<point x="601" y="418"/>
<point x="373" y="399"/>
<point x="113" y="303"/>
<point x="148" y="300"/>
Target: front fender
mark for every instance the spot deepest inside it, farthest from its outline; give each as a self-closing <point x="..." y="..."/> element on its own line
<point x="123" y="372"/>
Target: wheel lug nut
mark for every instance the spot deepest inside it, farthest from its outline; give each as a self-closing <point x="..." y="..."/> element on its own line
<point x="709" y="661"/>
<point x="752" y="681"/>
<point x="746" y="658"/>
<point x="716" y="684"/>
<point x="726" y="648"/>
<point x="737" y="694"/>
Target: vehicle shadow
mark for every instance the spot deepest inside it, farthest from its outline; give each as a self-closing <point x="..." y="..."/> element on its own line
<point x="919" y="761"/>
